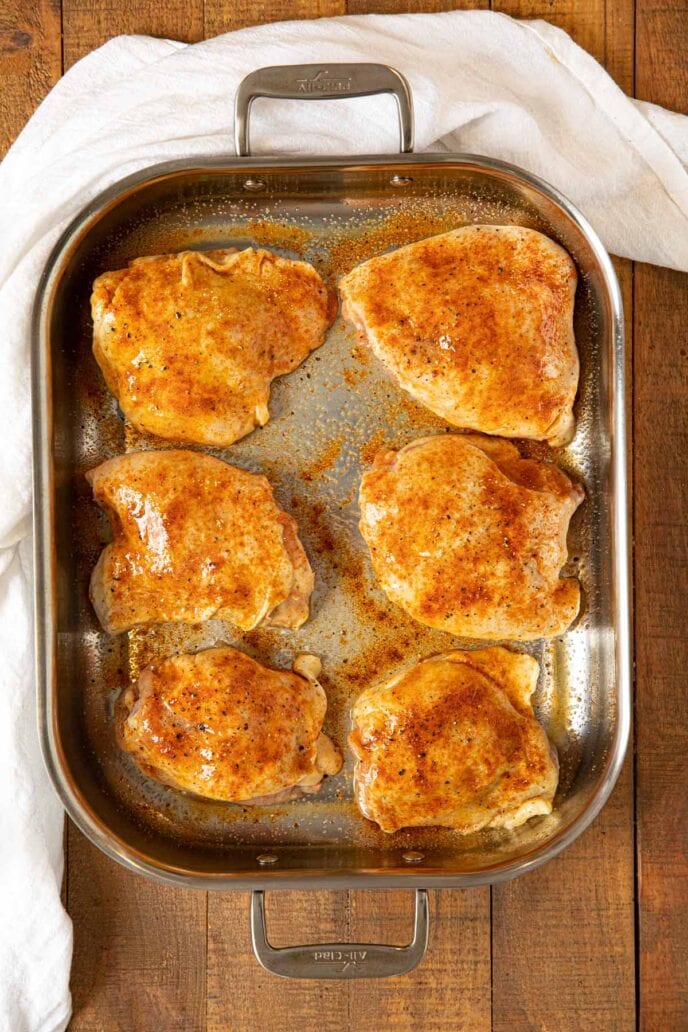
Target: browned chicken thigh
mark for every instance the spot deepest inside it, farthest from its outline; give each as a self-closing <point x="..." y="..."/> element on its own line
<point x="220" y="725"/>
<point x="189" y="343"/>
<point x="453" y="742"/>
<point x="477" y="324"/>
<point x="469" y="537"/>
<point x="195" y="539"/>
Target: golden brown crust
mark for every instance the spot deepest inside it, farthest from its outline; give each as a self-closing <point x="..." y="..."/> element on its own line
<point x="453" y="742"/>
<point x="189" y="343"/>
<point x="477" y="324"/>
<point x="195" y="539"/>
<point x="222" y="726"/>
<point x="469" y="537"/>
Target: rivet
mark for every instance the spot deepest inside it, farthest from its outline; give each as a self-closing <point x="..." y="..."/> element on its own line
<point x="267" y="858"/>
<point x="254" y="185"/>
<point x="401" y="180"/>
<point x="412" y="857"/>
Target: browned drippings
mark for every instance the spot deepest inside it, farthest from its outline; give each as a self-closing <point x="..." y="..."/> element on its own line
<point x="380" y="441"/>
<point x="403" y="226"/>
<point x="324" y="461"/>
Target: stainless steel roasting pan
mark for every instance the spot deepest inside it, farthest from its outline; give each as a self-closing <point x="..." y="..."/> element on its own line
<point x="326" y="419"/>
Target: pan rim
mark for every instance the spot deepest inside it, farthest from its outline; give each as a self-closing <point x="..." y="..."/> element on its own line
<point x="45" y="627"/>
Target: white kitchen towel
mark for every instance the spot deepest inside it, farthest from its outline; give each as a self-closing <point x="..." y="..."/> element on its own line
<point x="481" y="82"/>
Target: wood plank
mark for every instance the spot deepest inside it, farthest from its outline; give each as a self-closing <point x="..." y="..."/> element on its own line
<point x="227" y="15"/>
<point x="412" y="6"/>
<point x="661" y="443"/>
<point x="661" y="575"/>
<point x="139" y="948"/>
<point x="265" y="1003"/>
<point x="661" y="39"/>
<point x="450" y="990"/>
<point x="88" y="24"/>
<point x="563" y="938"/>
<point x="30" y="61"/>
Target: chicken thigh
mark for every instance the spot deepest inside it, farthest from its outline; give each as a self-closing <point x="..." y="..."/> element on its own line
<point x="476" y="324"/>
<point x="220" y="725"/>
<point x="469" y="537"/>
<point x="453" y="742"/>
<point x="189" y="343"/>
<point x="195" y="539"/>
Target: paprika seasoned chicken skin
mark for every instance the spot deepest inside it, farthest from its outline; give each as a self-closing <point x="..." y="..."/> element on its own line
<point x="195" y="539"/>
<point x="477" y="325"/>
<point x="469" y="537"/>
<point x="453" y="742"/>
<point x="189" y="343"/>
<point x="220" y="725"/>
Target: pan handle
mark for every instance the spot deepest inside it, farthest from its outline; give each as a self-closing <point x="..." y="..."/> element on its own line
<point x="339" y="959"/>
<point x="322" y="82"/>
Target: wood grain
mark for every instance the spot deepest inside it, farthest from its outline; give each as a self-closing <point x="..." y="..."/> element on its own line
<point x="450" y="990"/>
<point x="30" y="61"/>
<point x="562" y="937"/>
<point x="661" y="649"/>
<point x="411" y="6"/>
<point x="139" y="948"/>
<point x="87" y="24"/>
<point x="227" y="15"/>
<point x="265" y="1003"/>
<point x="661" y="576"/>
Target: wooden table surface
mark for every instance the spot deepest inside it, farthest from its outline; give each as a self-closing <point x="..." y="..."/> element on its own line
<point x="596" y="940"/>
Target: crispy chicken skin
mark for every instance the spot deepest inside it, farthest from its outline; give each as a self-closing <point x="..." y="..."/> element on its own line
<point x="453" y="742"/>
<point x="195" y="539"/>
<point x="189" y="343"/>
<point x="469" y="537"/>
<point x="476" y="324"/>
<point x="220" y="725"/>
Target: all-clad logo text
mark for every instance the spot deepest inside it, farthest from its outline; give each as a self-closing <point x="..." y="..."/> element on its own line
<point x="347" y="958"/>
<point x="323" y="82"/>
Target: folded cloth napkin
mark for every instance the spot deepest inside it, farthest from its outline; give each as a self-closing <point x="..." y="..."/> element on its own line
<point x="481" y="82"/>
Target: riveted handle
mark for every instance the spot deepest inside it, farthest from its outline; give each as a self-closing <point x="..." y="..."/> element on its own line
<point x="339" y="959"/>
<point x="322" y="82"/>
